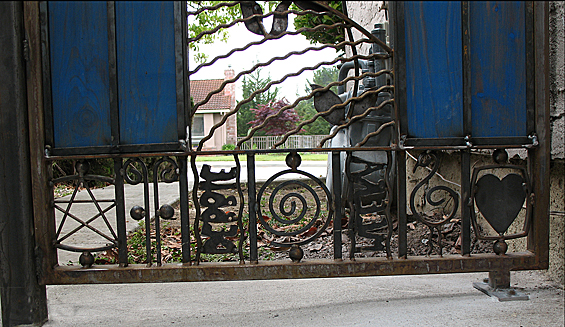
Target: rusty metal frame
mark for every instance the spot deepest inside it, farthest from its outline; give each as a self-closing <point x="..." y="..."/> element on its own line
<point x="537" y="256"/>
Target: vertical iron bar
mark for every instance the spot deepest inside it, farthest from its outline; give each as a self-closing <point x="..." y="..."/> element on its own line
<point x="465" y="208"/>
<point x="240" y="210"/>
<point x="538" y="238"/>
<point x="40" y="168"/>
<point x="120" y="212"/>
<point x="46" y="65"/>
<point x="401" y="204"/>
<point x="399" y="63"/>
<point x="466" y="66"/>
<point x="157" y="213"/>
<point x="112" y="74"/>
<point x="24" y="301"/>
<point x="184" y="213"/>
<point x="252" y="199"/>
<point x="180" y="66"/>
<point x="147" y="214"/>
<point x="338" y="209"/>
<point x="467" y="130"/>
<point x="352" y="224"/>
<point x="196" y="208"/>
<point x="530" y="69"/>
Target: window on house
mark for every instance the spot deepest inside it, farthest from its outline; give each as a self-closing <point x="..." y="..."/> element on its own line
<point x="197" y="127"/>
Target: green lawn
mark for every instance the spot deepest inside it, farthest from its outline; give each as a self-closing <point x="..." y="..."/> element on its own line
<point x="267" y="157"/>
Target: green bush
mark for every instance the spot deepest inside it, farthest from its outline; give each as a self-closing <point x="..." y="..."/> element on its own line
<point x="228" y="147"/>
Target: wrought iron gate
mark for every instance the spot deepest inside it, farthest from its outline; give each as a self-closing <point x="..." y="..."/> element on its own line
<point x="391" y="89"/>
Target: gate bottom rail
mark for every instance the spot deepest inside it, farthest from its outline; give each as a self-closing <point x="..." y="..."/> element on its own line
<point x="282" y="269"/>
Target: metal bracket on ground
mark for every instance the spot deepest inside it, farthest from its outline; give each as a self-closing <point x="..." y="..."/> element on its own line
<point x="503" y="294"/>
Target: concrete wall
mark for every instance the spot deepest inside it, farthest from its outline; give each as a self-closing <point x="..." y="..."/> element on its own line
<point x="557" y="77"/>
<point x="557" y="103"/>
<point x="367" y="14"/>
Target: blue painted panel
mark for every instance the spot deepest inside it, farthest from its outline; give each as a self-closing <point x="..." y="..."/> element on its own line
<point x="78" y="36"/>
<point x="146" y="72"/>
<point x="434" y="75"/>
<point x="498" y="68"/>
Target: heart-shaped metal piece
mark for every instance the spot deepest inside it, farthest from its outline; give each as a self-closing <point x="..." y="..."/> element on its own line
<point x="500" y="201"/>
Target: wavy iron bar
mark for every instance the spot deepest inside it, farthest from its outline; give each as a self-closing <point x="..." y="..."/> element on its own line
<point x="338" y="106"/>
<point x="254" y="129"/>
<point x="299" y="31"/>
<point x="263" y="64"/>
<point x="358" y="27"/>
<point x="197" y="208"/>
<point x="215" y="7"/>
<point x="243" y="20"/>
<point x="355" y="118"/>
<point x="378" y="131"/>
<point x="326" y="88"/>
<point x="266" y="87"/>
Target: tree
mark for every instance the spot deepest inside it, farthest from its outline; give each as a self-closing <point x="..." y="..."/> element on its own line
<point x="278" y="125"/>
<point x="305" y="109"/>
<point x="326" y="36"/>
<point x="209" y="19"/>
<point x="250" y="84"/>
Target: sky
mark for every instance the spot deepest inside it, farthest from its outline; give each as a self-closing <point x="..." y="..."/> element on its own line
<point x="239" y="36"/>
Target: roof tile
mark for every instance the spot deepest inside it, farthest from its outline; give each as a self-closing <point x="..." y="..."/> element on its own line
<point x="199" y="89"/>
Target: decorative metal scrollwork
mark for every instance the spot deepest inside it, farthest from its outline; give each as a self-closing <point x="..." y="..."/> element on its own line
<point x="370" y="215"/>
<point x="295" y="212"/>
<point x="500" y="201"/>
<point x="167" y="174"/>
<point x="219" y="226"/>
<point x="426" y="159"/>
<point x="63" y="233"/>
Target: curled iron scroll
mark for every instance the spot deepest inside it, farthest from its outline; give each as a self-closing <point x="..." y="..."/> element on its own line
<point x="426" y="159"/>
<point x="293" y="208"/>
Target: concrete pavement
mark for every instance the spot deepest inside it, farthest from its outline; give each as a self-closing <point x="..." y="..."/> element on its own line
<point x="433" y="300"/>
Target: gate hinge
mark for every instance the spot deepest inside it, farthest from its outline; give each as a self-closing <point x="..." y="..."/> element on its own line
<point x="26" y="50"/>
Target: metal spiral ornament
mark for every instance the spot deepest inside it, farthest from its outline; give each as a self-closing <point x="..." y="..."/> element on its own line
<point x="167" y="175"/>
<point x="426" y="159"/>
<point x="132" y="175"/>
<point x="294" y="209"/>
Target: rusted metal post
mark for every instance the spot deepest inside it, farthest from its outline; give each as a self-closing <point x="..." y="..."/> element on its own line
<point x="539" y="158"/>
<point x="465" y="208"/>
<point x="184" y="213"/>
<point x="499" y="279"/>
<point x="24" y="301"/>
<point x="401" y="204"/>
<point x="252" y="196"/>
<point x="120" y="213"/>
<point x="338" y="214"/>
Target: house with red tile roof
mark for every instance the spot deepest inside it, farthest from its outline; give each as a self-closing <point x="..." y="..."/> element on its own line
<point x="213" y="111"/>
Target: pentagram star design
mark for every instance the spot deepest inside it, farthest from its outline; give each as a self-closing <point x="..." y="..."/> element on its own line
<point x="101" y="213"/>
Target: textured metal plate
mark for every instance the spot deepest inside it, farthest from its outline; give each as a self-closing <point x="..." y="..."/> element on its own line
<point x="145" y="39"/>
<point x="500" y="201"/>
<point x="434" y="82"/>
<point x="498" y="68"/>
<point x="78" y="35"/>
